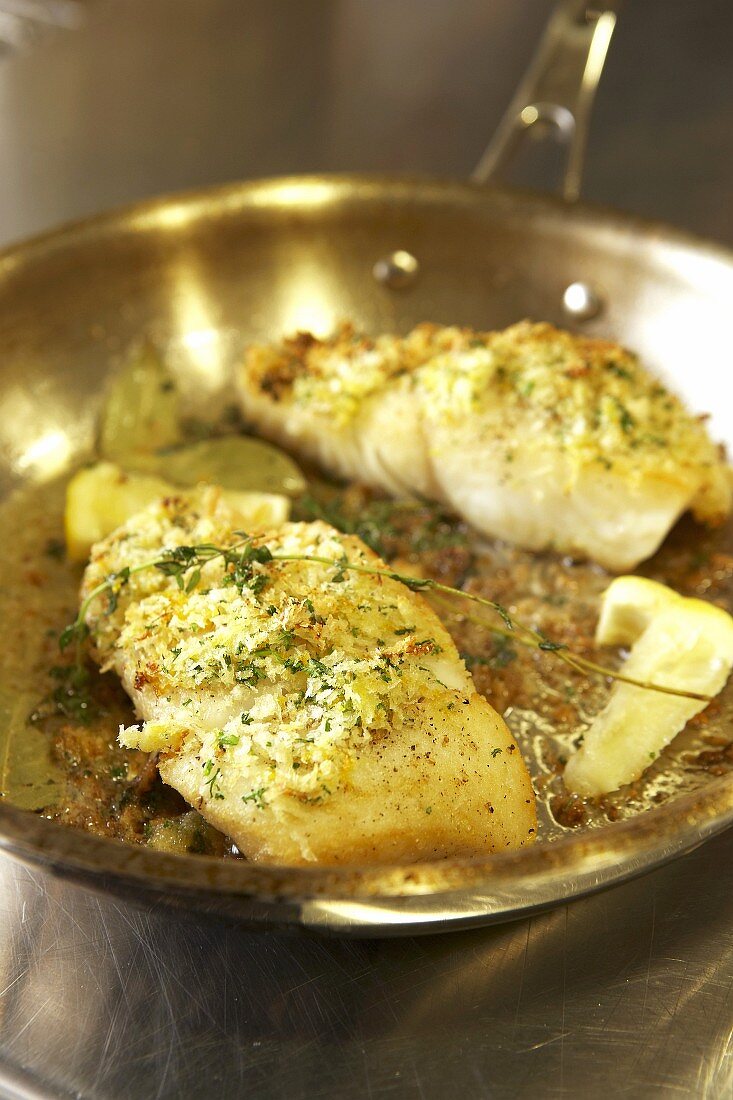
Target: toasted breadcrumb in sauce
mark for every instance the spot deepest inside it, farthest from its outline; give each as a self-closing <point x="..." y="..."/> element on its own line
<point x="61" y="757"/>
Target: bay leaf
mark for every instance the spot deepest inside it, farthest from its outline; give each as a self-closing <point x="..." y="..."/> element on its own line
<point x="142" y="412"/>
<point x="29" y="778"/>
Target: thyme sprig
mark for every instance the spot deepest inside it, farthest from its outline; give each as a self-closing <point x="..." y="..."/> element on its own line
<point x="184" y="564"/>
<point x="525" y="635"/>
<point x="537" y="640"/>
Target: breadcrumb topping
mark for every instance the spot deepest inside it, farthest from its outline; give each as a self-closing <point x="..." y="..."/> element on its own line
<point x="279" y="680"/>
<point x="531" y="386"/>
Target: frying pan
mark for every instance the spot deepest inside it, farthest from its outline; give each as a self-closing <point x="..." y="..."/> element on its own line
<point x="203" y="273"/>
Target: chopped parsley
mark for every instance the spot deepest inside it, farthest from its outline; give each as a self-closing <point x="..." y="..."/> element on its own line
<point x="257" y="797"/>
<point x="226" y="740"/>
<point x="212" y="781"/>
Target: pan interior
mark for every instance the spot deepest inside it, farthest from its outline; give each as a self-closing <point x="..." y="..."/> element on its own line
<point x="200" y="276"/>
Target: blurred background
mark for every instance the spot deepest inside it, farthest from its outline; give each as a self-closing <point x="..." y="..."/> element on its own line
<point x="106" y="101"/>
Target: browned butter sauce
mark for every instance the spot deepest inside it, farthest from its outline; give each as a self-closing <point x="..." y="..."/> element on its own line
<point x="59" y="755"/>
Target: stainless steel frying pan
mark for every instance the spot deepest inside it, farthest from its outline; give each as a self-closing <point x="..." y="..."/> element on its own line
<point x="204" y="273"/>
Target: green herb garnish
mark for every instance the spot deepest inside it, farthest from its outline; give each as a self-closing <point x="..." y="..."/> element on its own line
<point x="257" y="797"/>
<point x="240" y="560"/>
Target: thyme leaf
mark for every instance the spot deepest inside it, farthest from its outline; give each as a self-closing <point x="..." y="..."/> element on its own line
<point x="74" y="632"/>
<point x="257" y="797"/>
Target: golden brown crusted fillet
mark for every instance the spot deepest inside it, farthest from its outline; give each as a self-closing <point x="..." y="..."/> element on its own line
<point x="533" y="434"/>
<point x="314" y="716"/>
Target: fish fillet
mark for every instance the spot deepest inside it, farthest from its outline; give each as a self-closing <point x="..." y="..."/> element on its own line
<point x="310" y="713"/>
<point x="533" y="435"/>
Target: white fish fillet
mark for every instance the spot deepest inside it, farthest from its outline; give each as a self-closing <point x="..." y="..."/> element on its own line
<point x="533" y="435"/>
<point x="309" y="715"/>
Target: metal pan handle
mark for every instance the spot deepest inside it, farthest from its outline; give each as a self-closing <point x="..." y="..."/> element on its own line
<point x="555" y="97"/>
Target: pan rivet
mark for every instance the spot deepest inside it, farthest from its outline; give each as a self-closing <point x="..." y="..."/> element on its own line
<point x="396" y="271"/>
<point x="581" y="301"/>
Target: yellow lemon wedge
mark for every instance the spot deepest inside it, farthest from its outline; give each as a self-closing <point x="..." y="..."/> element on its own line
<point x="100" y="498"/>
<point x="676" y="642"/>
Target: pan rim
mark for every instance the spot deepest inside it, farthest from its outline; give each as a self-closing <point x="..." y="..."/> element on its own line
<point x="608" y="854"/>
<point x="240" y="193"/>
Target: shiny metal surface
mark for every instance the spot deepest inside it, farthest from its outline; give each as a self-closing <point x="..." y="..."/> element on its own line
<point x="581" y="302"/>
<point x="397" y="271"/>
<point x="555" y="98"/>
<point x="624" y="993"/>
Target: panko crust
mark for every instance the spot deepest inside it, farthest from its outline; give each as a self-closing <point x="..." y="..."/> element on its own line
<point x="539" y="409"/>
<point x="316" y="714"/>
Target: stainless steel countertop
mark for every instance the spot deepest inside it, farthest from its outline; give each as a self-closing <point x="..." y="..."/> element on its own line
<point x="626" y="993"/>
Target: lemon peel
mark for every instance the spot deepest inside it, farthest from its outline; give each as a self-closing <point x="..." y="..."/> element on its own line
<point x="675" y="641"/>
<point x="151" y="737"/>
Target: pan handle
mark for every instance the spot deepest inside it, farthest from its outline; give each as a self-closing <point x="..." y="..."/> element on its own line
<point x="555" y="97"/>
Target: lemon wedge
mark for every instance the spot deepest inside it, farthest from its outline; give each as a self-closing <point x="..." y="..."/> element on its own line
<point x="100" y="498"/>
<point x="676" y="642"/>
